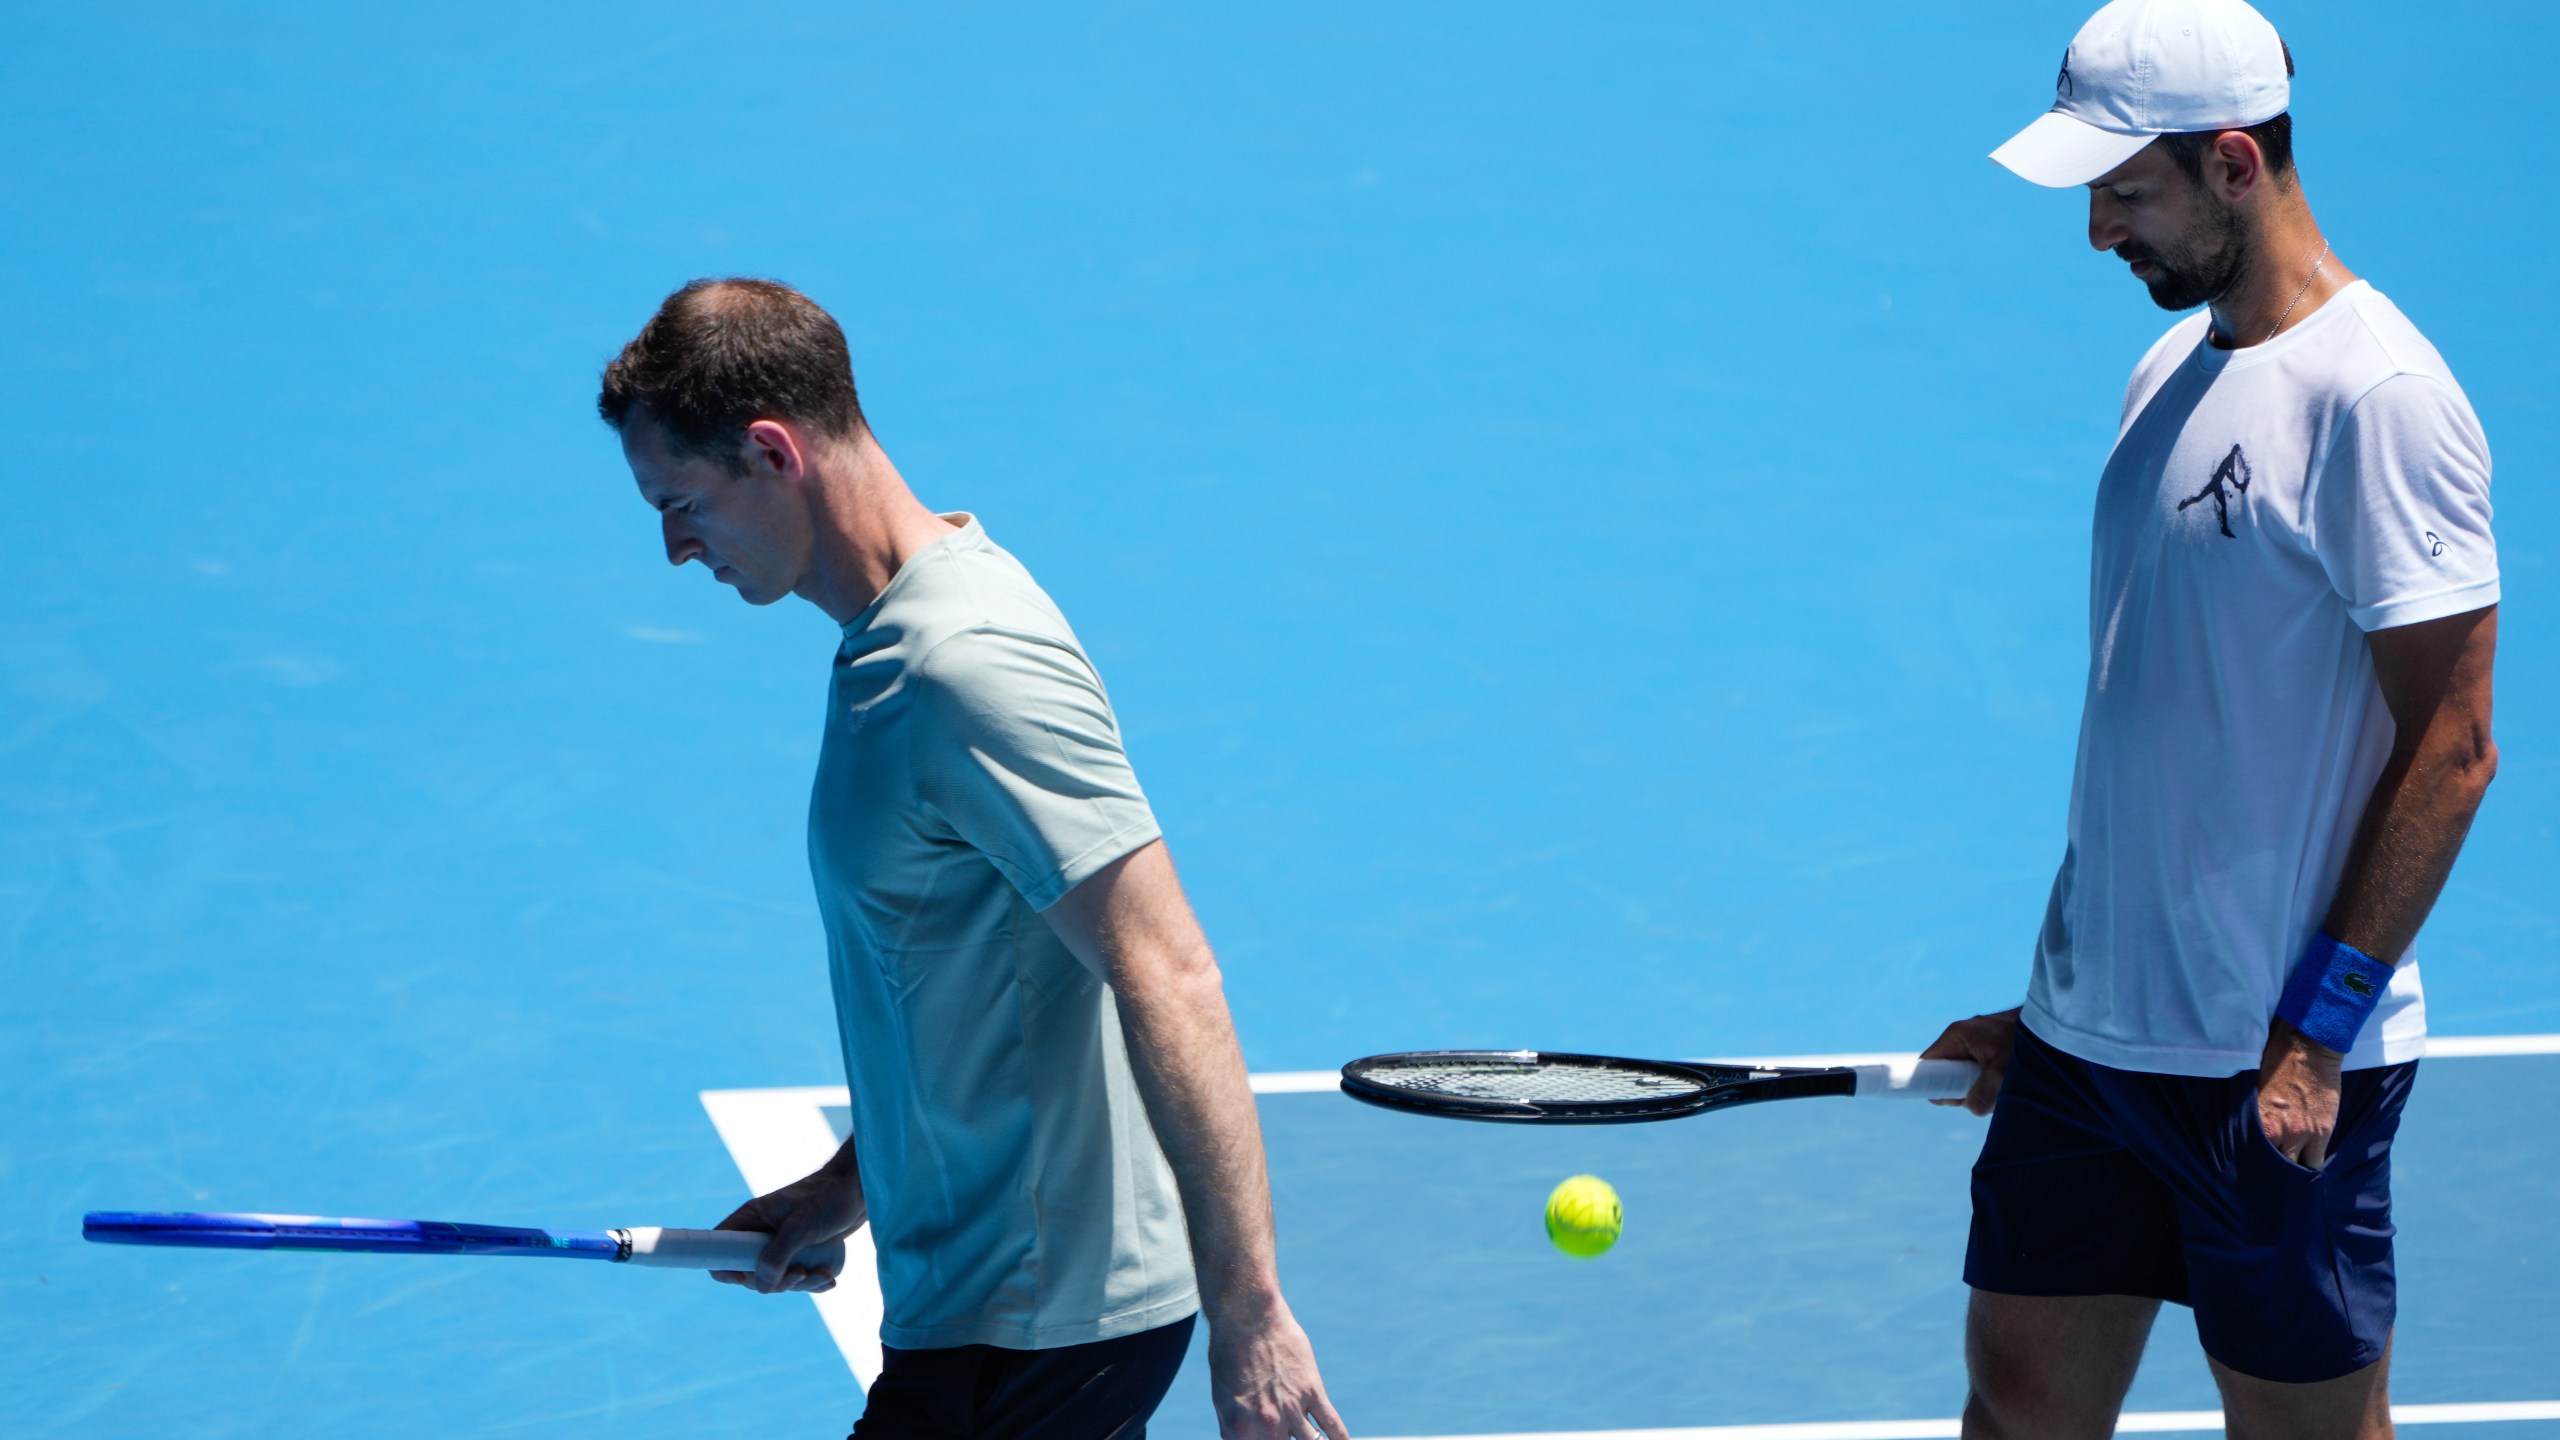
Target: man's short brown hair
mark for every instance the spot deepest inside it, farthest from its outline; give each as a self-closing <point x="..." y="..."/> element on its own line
<point x="722" y="354"/>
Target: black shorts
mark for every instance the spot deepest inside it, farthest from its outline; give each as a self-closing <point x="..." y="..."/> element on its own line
<point x="2095" y="1181"/>
<point x="1100" y="1391"/>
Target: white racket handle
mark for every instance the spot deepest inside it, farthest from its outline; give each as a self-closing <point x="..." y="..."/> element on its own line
<point x="1912" y="1078"/>
<point x="713" y="1249"/>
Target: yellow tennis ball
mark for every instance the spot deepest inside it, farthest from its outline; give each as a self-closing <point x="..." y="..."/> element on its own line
<point x="1584" y="1217"/>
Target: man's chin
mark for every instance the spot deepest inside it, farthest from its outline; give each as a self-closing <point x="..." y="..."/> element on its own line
<point x="2173" y="292"/>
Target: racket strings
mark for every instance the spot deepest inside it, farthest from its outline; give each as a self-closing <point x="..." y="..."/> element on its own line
<point x="1539" y="1084"/>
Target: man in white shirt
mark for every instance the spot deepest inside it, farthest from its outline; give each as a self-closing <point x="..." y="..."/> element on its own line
<point x="1052" y="1131"/>
<point x="2293" y="594"/>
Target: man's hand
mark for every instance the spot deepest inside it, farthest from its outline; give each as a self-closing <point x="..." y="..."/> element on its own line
<point x="817" y="1210"/>
<point x="1262" y="1376"/>
<point x="1985" y="1040"/>
<point x="2298" y="1095"/>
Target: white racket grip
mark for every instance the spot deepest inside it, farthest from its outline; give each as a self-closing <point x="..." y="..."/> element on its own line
<point x="715" y="1249"/>
<point x="1912" y="1078"/>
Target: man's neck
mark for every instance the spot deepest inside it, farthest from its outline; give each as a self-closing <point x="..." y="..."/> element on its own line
<point x="868" y="525"/>
<point x="2290" y="274"/>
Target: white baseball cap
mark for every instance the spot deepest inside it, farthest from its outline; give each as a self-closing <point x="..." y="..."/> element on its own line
<point x="2145" y="68"/>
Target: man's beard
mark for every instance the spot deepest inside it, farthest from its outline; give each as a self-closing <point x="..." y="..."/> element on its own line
<point x="2204" y="263"/>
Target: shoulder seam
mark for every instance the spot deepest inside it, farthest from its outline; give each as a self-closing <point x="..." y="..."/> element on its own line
<point x="2382" y="342"/>
<point x="2348" y="411"/>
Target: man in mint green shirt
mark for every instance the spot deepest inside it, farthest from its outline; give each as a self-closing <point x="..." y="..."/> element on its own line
<point x="1053" y="1138"/>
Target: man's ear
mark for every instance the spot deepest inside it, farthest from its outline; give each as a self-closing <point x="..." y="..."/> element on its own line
<point x="773" y="451"/>
<point x="2234" y="166"/>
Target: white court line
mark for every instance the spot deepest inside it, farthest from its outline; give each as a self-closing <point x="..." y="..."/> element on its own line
<point x="2457" y="1047"/>
<point x="2146" y="1422"/>
<point x="778" y="1135"/>
<point x="2439" y="1047"/>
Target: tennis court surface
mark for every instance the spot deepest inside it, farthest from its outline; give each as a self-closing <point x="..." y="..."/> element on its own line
<point x="1583" y="511"/>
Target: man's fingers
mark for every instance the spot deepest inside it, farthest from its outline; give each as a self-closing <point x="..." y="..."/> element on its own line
<point x="1334" y="1429"/>
<point x="1985" y="1089"/>
<point x="773" y="1263"/>
<point x="809" y="1281"/>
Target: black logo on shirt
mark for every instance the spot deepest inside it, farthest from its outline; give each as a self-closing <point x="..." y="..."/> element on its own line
<point x="2435" y="543"/>
<point x="2230" y="481"/>
<point x="2062" y="82"/>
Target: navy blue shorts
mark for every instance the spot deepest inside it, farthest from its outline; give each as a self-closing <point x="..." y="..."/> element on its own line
<point x="2096" y="1181"/>
<point x="1100" y="1391"/>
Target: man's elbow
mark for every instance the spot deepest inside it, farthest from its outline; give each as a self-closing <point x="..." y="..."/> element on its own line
<point x="1175" y="973"/>
<point x="2468" y="765"/>
<point x="2483" y="766"/>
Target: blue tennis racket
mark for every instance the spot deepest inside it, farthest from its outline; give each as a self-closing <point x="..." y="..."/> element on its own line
<point x="639" y="1245"/>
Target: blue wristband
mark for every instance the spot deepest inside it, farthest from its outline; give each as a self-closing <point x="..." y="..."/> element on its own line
<point x="2334" y="990"/>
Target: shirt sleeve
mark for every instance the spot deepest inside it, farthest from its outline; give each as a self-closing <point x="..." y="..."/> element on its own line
<point x="1017" y="750"/>
<point x="2401" y="518"/>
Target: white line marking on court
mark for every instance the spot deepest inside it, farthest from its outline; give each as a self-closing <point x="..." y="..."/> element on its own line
<point x="2457" y="1047"/>
<point x="778" y="1135"/>
<point x="2439" y="1047"/>
<point x="2151" y="1422"/>
<point x="1295" y="1082"/>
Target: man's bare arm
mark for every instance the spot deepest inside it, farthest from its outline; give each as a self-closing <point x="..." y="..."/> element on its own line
<point x="1131" y="924"/>
<point x="2435" y="678"/>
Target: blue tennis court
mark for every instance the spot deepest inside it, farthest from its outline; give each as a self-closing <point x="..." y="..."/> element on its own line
<point x="1583" y="509"/>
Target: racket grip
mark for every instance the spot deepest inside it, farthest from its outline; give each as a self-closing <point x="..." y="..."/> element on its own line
<point x="1916" y="1079"/>
<point x="706" y="1249"/>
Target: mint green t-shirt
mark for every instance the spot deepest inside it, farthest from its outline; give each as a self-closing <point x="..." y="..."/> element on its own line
<point x="972" y="774"/>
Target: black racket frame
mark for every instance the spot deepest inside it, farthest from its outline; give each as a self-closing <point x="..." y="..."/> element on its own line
<point x="1726" y="1087"/>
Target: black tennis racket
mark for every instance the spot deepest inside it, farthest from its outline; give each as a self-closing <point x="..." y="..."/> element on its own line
<point x="1544" y="1087"/>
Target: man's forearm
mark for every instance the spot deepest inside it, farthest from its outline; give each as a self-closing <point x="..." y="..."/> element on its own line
<point x="2436" y="680"/>
<point x="2412" y="829"/>
<point x="1131" y="924"/>
<point x="1190" y="1071"/>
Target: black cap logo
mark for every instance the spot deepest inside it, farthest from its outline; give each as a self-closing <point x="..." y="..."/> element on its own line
<point x="2062" y="82"/>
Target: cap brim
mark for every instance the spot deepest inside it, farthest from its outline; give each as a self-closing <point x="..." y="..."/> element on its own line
<point x="2061" y="151"/>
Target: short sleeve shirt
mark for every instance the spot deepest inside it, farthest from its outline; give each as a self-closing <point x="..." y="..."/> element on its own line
<point x="972" y="774"/>
<point x="2262" y="510"/>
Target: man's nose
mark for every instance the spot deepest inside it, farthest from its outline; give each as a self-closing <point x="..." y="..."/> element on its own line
<point x="2106" y="224"/>
<point x="681" y="546"/>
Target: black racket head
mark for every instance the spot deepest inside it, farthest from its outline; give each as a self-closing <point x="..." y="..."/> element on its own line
<point x="1550" y="1087"/>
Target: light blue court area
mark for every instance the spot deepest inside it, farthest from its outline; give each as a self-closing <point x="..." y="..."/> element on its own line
<point x="1582" y="509"/>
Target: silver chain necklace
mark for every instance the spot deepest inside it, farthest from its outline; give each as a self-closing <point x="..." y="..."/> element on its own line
<point x="2322" y="259"/>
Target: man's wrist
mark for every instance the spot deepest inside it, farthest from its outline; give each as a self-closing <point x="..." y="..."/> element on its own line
<point x="2292" y="1044"/>
<point x="1249" y="1303"/>
<point x="2333" y="991"/>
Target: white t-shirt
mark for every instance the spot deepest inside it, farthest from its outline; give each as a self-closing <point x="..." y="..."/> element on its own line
<point x="972" y="774"/>
<point x="2263" y="508"/>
